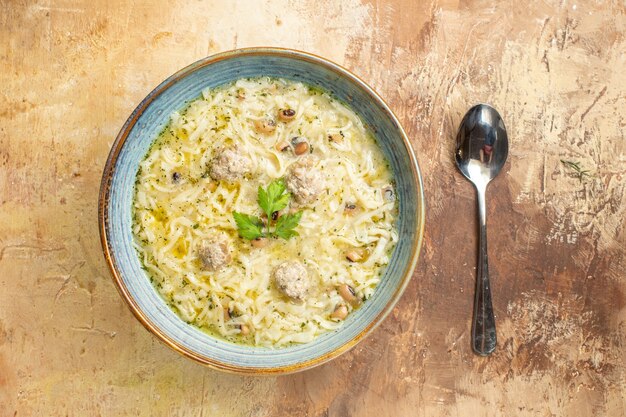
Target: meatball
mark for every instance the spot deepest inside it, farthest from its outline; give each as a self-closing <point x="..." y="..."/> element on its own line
<point x="304" y="181"/>
<point x="229" y="165"/>
<point x="292" y="280"/>
<point x="214" y="253"/>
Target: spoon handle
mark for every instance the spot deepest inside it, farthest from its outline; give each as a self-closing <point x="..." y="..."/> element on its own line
<point x="484" y="324"/>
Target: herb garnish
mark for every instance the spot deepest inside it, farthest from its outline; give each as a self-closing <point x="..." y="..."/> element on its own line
<point x="578" y="171"/>
<point x="250" y="227"/>
<point x="274" y="198"/>
<point x="271" y="200"/>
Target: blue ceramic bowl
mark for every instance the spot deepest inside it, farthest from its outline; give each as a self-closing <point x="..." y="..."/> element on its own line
<point x="143" y="126"/>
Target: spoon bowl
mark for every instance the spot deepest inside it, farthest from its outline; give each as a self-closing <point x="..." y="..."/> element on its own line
<point x="482" y="144"/>
<point x="481" y="151"/>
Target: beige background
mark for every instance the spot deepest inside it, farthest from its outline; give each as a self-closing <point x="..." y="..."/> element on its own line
<point x="72" y="71"/>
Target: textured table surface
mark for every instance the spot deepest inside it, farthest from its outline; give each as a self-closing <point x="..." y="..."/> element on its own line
<point x="72" y="71"/>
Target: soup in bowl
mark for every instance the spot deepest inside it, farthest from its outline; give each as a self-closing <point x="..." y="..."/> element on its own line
<point x="261" y="211"/>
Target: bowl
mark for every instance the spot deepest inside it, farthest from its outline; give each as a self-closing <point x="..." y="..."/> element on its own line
<point x="143" y="126"/>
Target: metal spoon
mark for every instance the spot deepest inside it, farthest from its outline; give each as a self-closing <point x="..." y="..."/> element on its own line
<point x="481" y="151"/>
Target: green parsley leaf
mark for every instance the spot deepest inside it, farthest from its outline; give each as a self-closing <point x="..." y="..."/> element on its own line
<point x="286" y="224"/>
<point x="271" y="199"/>
<point x="264" y="201"/>
<point x="274" y="198"/>
<point x="250" y="227"/>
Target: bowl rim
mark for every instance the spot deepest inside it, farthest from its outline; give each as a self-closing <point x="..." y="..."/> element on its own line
<point x="105" y="190"/>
